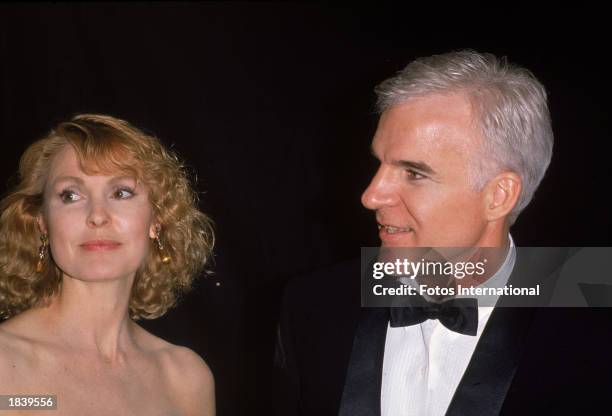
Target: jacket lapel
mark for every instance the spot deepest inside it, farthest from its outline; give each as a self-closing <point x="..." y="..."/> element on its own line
<point x="361" y="395"/>
<point x="488" y="377"/>
<point x="484" y="385"/>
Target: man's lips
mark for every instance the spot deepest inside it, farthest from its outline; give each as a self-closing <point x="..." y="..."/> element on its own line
<point x="100" y="245"/>
<point x="391" y="233"/>
<point x="391" y="229"/>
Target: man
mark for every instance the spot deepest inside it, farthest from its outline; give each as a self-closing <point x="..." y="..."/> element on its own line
<point x="463" y="141"/>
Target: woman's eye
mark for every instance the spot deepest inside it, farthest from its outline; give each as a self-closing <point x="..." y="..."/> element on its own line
<point x="69" y="196"/>
<point x="123" y="193"/>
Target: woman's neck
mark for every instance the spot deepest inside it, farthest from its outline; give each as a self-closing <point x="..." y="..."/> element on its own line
<point x="93" y="317"/>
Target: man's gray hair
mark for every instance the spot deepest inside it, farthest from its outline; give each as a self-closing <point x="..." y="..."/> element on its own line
<point x="510" y="104"/>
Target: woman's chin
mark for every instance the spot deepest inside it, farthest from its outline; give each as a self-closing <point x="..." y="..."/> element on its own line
<point x="97" y="275"/>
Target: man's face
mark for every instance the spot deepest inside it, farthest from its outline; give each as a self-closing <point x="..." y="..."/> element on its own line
<point x="421" y="192"/>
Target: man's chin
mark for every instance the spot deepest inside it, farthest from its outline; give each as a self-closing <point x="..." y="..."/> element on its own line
<point x="399" y="243"/>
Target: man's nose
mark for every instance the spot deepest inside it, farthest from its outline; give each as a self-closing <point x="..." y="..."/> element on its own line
<point x="380" y="192"/>
<point x="98" y="215"/>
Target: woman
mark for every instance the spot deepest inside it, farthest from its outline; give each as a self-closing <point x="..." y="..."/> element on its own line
<point x="102" y="229"/>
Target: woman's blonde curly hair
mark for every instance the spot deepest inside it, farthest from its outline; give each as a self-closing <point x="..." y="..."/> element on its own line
<point x="104" y="145"/>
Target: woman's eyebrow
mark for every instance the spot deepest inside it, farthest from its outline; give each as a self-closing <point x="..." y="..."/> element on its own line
<point x="123" y="178"/>
<point x="79" y="181"/>
<point x="68" y="179"/>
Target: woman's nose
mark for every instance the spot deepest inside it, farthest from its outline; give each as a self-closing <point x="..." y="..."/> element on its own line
<point x="98" y="214"/>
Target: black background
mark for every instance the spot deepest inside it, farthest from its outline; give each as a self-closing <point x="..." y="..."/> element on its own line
<point x="272" y="105"/>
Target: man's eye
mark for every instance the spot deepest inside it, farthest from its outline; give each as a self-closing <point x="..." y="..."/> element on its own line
<point x="123" y="193"/>
<point x="68" y="196"/>
<point x="414" y="175"/>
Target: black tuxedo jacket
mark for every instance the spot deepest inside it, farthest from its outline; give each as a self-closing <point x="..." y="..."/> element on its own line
<point x="527" y="361"/>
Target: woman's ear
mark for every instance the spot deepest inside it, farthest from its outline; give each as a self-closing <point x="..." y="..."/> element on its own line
<point x="42" y="226"/>
<point x="154" y="230"/>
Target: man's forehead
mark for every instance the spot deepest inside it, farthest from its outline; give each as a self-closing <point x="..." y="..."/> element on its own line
<point x="426" y="127"/>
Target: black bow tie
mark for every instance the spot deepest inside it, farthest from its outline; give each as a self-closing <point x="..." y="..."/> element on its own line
<point x="459" y="315"/>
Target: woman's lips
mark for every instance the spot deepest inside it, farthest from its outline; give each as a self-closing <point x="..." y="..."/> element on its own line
<point x="100" y="245"/>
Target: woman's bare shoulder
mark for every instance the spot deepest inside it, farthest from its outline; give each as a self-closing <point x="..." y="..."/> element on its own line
<point x="17" y="337"/>
<point x="18" y="353"/>
<point x="188" y="375"/>
<point x="9" y="343"/>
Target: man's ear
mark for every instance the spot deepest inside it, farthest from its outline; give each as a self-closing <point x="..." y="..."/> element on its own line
<point x="501" y="195"/>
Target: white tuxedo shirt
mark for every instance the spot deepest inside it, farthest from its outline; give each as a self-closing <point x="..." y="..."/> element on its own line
<point x="423" y="364"/>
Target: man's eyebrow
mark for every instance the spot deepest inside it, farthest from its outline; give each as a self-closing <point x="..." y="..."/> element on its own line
<point x="409" y="164"/>
<point x="419" y="166"/>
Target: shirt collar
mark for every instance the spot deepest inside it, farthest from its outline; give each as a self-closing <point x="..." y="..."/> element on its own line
<point x="501" y="276"/>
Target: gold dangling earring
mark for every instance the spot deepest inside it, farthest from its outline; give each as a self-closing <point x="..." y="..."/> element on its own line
<point x="40" y="266"/>
<point x="165" y="257"/>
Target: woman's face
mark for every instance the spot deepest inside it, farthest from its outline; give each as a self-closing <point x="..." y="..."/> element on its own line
<point x="98" y="226"/>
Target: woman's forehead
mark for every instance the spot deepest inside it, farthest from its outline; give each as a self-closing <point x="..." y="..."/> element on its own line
<point x="67" y="164"/>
